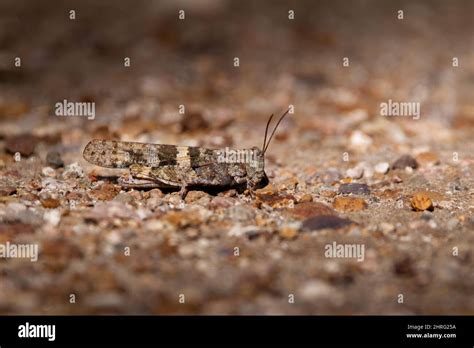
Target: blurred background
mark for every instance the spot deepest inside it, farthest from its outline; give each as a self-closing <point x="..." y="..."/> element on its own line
<point x="191" y="61"/>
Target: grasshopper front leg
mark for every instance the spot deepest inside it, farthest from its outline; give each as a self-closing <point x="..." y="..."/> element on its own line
<point x="183" y="192"/>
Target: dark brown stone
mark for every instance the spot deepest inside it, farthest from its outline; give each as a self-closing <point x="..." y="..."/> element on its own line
<point x="405" y="161"/>
<point x="326" y="221"/>
<point x="23" y="143"/>
<point x="310" y="209"/>
<point x="354" y="188"/>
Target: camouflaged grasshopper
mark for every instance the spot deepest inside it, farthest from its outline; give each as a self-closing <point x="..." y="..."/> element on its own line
<point x="184" y="167"/>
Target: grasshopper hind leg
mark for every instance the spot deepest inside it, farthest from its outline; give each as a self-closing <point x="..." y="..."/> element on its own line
<point x="128" y="181"/>
<point x="156" y="178"/>
<point x="141" y="176"/>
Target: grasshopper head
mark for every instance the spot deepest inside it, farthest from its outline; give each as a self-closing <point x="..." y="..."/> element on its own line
<point x="255" y="168"/>
<point x="256" y="177"/>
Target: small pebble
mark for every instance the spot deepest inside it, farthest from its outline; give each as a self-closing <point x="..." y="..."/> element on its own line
<point x="306" y="198"/>
<point x="405" y="161"/>
<point x="105" y="192"/>
<point x="368" y="171"/>
<point x="330" y="176"/>
<point x="288" y="233"/>
<point x="73" y="171"/>
<point x="328" y="193"/>
<point x="349" y="204"/>
<point x="50" y="203"/>
<point x="355" y="173"/>
<point x="52" y="217"/>
<point x="155" y="193"/>
<point x="360" y="140"/>
<point x="53" y="158"/>
<point x="382" y="167"/>
<point x="48" y="171"/>
<point x="421" y="201"/>
<point x="386" y="227"/>
<point x="325" y="221"/>
<point x="354" y="188"/>
<point x="318" y="290"/>
<point x="275" y="200"/>
<point x="194" y="196"/>
<point x="310" y="209"/>
<point x="23" y="143"/>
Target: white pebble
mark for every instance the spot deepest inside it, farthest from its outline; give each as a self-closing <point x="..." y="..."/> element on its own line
<point x="386" y="227"/>
<point x="368" y="171"/>
<point x="52" y="217"/>
<point x="74" y="170"/>
<point x="355" y="173"/>
<point x="382" y="167"/>
<point x="48" y="171"/>
<point x="318" y="290"/>
<point x="360" y="140"/>
<point x="113" y="238"/>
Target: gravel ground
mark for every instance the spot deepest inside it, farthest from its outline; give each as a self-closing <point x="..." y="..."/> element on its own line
<point x="399" y="189"/>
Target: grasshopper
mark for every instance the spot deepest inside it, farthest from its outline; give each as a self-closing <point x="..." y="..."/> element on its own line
<point x="183" y="167"/>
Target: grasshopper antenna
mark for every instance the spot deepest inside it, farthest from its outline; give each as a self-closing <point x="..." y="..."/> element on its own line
<point x="274" y="129"/>
<point x="266" y="130"/>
